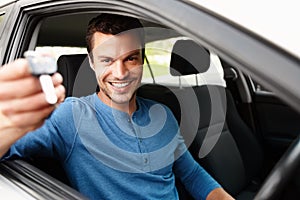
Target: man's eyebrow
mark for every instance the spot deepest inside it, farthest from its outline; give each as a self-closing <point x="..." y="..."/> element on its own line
<point x="134" y="53"/>
<point x="102" y="56"/>
<point x="131" y="53"/>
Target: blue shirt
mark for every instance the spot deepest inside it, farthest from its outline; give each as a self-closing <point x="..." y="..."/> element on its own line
<point x="109" y="155"/>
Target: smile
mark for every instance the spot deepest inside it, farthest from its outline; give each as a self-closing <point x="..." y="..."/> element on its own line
<point x="120" y="85"/>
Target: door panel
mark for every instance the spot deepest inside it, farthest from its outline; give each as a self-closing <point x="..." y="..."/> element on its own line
<point x="278" y="123"/>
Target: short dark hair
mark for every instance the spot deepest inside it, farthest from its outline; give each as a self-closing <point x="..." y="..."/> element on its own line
<point x="113" y="24"/>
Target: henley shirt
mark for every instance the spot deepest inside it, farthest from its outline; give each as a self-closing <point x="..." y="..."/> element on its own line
<point x="108" y="154"/>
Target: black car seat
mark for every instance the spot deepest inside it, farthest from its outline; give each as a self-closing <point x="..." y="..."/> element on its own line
<point x="77" y="64"/>
<point x="236" y="159"/>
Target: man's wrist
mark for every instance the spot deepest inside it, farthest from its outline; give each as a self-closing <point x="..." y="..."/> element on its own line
<point x="8" y="136"/>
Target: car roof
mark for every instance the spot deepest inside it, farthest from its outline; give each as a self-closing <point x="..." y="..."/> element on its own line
<point x="5" y="2"/>
<point x="275" y="21"/>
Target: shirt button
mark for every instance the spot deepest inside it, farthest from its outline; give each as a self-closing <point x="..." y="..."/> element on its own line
<point x="145" y="160"/>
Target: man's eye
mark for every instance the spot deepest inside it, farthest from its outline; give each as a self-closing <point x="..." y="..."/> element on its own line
<point x="132" y="58"/>
<point x="106" y="60"/>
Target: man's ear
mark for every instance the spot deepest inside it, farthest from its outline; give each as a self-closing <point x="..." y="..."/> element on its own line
<point x="91" y="62"/>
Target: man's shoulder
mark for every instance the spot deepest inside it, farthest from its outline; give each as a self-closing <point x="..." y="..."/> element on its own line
<point x="72" y="104"/>
<point x="84" y="100"/>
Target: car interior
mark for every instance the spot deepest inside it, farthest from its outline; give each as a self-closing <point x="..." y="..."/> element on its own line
<point x="236" y="159"/>
<point x="225" y="126"/>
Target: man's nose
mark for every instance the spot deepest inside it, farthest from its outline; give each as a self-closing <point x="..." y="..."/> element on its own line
<point x="119" y="70"/>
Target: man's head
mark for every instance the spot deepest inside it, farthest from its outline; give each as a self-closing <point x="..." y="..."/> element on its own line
<point x="116" y="45"/>
<point x="112" y="24"/>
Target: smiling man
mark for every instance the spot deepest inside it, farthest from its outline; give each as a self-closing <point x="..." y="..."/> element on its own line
<point x="113" y="144"/>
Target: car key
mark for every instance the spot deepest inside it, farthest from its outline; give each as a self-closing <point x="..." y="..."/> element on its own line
<point x="43" y="66"/>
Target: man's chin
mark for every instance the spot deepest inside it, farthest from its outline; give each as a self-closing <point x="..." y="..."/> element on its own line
<point x="117" y="98"/>
<point x="121" y="101"/>
<point x="122" y="98"/>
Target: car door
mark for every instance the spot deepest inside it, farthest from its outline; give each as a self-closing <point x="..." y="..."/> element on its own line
<point x="274" y="123"/>
<point x="277" y="123"/>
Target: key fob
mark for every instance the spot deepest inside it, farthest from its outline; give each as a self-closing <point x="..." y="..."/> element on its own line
<point x="43" y="66"/>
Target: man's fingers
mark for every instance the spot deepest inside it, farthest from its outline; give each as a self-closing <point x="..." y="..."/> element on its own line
<point x="22" y="88"/>
<point x="15" y="70"/>
<point x="60" y="93"/>
<point x="57" y="79"/>
<point x="30" y="103"/>
<point x="22" y="102"/>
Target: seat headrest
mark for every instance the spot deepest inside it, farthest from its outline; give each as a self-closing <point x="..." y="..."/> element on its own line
<point x="188" y="58"/>
<point x="69" y="66"/>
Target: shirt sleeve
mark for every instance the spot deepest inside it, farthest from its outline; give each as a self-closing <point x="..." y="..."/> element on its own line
<point x="194" y="177"/>
<point x="53" y="139"/>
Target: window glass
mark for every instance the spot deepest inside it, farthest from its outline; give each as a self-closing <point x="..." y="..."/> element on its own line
<point x="57" y="51"/>
<point x="159" y="56"/>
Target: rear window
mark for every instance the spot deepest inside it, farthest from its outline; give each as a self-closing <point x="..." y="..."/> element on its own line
<point x="159" y="56"/>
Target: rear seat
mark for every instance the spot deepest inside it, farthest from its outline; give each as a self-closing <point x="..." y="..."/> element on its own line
<point x="236" y="158"/>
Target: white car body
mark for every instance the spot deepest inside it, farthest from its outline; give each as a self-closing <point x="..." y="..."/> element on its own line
<point x="275" y="21"/>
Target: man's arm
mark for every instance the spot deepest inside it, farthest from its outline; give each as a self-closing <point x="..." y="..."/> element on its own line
<point x="23" y="107"/>
<point x="196" y="180"/>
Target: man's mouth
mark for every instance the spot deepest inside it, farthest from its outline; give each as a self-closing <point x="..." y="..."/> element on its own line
<point x="119" y="84"/>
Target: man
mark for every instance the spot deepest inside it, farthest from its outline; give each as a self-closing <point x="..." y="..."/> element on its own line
<point x="113" y="144"/>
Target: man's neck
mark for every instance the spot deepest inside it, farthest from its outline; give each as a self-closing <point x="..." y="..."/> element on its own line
<point x="127" y="107"/>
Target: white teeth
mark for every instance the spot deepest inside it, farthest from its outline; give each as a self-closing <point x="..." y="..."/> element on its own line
<point x="120" y="85"/>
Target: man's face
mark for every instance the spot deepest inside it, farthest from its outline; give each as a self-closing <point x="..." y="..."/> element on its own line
<point x="117" y="60"/>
